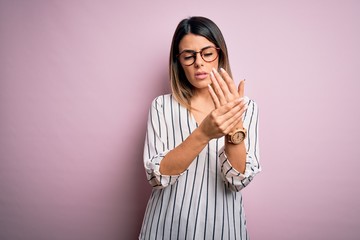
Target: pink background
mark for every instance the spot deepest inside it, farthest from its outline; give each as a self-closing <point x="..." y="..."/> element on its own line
<point x="77" y="79"/>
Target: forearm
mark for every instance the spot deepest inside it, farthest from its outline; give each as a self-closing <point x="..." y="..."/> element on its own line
<point x="236" y="154"/>
<point x="179" y="159"/>
<point x="246" y="161"/>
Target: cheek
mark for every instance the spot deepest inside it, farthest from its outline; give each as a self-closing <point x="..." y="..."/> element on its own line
<point x="216" y="64"/>
<point x="188" y="73"/>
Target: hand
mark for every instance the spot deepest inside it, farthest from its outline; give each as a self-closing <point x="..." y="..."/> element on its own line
<point x="223" y="88"/>
<point x="223" y="119"/>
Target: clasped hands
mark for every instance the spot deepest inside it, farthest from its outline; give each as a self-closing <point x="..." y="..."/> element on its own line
<point x="229" y="105"/>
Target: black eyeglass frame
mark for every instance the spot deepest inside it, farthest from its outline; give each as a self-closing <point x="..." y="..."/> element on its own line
<point x="194" y="54"/>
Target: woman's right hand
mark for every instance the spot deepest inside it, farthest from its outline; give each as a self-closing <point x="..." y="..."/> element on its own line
<point x="223" y="119"/>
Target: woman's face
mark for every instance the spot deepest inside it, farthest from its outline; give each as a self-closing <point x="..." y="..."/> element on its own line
<point x="198" y="74"/>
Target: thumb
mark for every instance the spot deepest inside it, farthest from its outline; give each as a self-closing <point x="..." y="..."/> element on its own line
<point x="241" y="88"/>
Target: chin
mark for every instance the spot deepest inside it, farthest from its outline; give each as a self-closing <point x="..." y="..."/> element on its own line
<point x="202" y="85"/>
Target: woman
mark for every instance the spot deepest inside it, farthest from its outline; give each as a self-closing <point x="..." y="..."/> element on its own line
<point x="201" y="145"/>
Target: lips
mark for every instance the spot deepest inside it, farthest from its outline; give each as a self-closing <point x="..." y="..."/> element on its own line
<point x="201" y="75"/>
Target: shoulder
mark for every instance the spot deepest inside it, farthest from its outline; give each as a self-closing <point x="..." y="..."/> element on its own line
<point x="162" y="100"/>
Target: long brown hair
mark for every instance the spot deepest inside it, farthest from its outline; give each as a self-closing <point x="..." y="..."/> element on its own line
<point x="180" y="86"/>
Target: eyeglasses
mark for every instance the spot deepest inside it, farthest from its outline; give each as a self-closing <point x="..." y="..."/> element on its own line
<point x="208" y="54"/>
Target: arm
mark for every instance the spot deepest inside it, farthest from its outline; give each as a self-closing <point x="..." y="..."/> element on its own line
<point x="239" y="163"/>
<point x="155" y="147"/>
<point x="238" y="180"/>
<point x="164" y="166"/>
<point x="179" y="159"/>
<point x="236" y="154"/>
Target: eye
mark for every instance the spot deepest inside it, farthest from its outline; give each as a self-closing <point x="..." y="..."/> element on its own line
<point x="208" y="54"/>
<point x="208" y="51"/>
<point x="187" y="55"/>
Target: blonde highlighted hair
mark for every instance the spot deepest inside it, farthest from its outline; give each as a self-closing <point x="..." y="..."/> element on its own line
<point x="181" y="88"/>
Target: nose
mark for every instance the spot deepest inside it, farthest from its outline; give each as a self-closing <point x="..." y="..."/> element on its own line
<point x="198" y="60"/>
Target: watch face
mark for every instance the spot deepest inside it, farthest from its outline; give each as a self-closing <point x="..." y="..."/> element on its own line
<point x="238" y="137"/>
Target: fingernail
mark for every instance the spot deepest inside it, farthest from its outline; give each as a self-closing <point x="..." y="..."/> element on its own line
<point x="221" y="69"/>
<point x="214" y="70"/>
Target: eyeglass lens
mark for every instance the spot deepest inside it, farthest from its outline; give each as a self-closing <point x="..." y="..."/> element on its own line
<point x="208" y="54"/>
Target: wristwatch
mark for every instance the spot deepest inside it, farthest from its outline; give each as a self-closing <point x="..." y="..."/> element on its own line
<point x="237" y="136"/>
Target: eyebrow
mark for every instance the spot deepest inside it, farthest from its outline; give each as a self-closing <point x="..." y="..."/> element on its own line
<point x="190" y="50"/>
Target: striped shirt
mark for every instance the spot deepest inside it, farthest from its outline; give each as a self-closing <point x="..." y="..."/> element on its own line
<point x="203" y="202"/>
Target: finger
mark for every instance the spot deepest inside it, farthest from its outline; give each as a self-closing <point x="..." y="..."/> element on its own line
<point x="233" y="121"/>
<point x="225" y="112"/>
<point x="229" y="120"/>
<point x="223" y="85"/>
<point x="229" y="81"/>
<point x="217" y="89"/>
<point x="233" y="125"/>
<point x="214" y="97"/>
<point x="229" y="106"/>
<point x="241" y="88"/>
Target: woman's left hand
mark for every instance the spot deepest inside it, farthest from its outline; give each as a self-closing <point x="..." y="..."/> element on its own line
<point x="223" y="89"/>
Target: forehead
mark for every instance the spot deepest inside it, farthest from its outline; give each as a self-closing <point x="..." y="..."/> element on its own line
<point x="194" y="42"/>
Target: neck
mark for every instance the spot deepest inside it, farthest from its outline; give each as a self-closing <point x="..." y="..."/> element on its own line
<point x="202" y="94"/>
<point x="202" y="101"/>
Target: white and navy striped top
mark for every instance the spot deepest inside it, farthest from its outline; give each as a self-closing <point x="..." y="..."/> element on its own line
<point x="203" y="202"/>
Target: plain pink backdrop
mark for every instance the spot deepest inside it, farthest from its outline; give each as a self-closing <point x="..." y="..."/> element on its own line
<point x="76" y="82"/>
